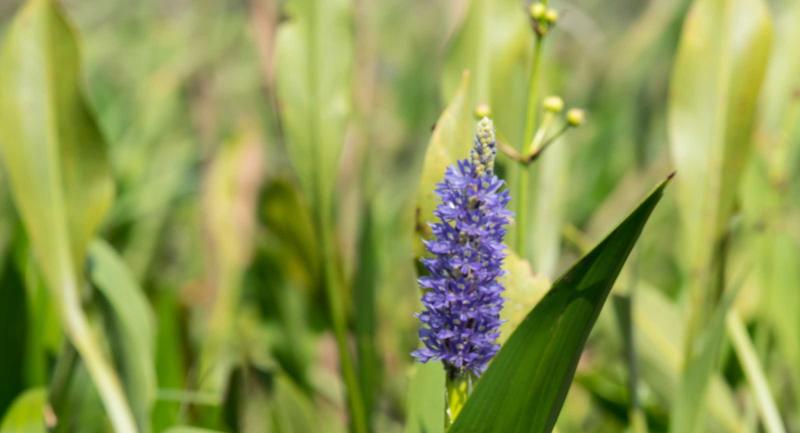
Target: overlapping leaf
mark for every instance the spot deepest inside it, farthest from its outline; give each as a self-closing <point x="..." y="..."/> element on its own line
<point x="526" y="384"/>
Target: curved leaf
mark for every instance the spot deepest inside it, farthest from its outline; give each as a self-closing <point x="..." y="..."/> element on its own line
<point x="526" y="384"/>
<point x="132" y="331"/>
<point x="55" y="158"/>
<point x="26" y="415"/>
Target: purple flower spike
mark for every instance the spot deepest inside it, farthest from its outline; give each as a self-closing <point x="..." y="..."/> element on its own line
<point x="463" y="298"/>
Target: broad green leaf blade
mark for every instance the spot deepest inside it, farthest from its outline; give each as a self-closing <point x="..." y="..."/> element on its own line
<point x="132" y="328"/>
<point x="54" y="153"/>
<point x="526" y="384"/>
<point x="451" y="141"/>
<point x="314" y="56"/>
<point x="55" y="160"/>
<point x="716" y="81"/>
<point x="426" y="399"/>
<point x="26" y="415"/>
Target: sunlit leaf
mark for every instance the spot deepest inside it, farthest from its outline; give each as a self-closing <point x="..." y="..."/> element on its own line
<point x="55" y="158"/>
<point x="715" y="86"/>
<point x="526" y="384"/>
<point x="132" y="327"/>
<point x="716" y="82"/>
<point x="26" y="415"/>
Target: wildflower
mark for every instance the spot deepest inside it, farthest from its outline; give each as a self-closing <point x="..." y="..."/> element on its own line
<point x="463" y="299"/>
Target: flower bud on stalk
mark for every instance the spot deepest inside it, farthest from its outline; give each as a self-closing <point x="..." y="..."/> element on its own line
<point x="575" y="117"/>
<point x="553" y="104"/>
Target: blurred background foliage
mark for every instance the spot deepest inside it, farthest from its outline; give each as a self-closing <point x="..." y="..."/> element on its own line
<point x="255" y="270"/>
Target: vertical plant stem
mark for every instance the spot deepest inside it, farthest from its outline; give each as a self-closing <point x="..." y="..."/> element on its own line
<point x="323" y="208"/>
<point x="458" y="387"/>
<point x="746" y="353"/>
<point x="521" y="194"/>
<point x="333" y="288"/>
<point x="97" y="364"/>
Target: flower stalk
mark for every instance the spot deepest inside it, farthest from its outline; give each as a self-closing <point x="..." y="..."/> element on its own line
<point x="457" y="389"/>
<point x="535" y="138"/>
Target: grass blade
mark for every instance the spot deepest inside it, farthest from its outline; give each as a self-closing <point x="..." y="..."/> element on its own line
<point x="132" y="331"/>
<point x="754" y="373"/>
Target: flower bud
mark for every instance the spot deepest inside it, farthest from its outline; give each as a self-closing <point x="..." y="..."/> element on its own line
<point x="482" y="110"/>
<point x="551" y="16"/>
<point x="537" y="11"/>
<point x="575" y="117"/>
<point x="553" y="104"/>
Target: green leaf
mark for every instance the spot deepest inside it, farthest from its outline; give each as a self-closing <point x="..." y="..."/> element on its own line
<point x="54" y="153"/>
<point x="698" y="370"/>
<point x="659" y="332"/>
<point x="716" y="83"/>
<point x="314" y="52"/>
<point x="55" y="159"/>
<point x="426" y="399"/>
<point x="451" y="141"/>
<point x="526" y="384"/>
<point x="720" y="64"/>
<point x="314" y="56"/>
<point x="131" y="328"/>
<point x="27" y="413"/>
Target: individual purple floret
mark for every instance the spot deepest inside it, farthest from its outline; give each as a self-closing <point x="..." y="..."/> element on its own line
<point x="463" y="297"/>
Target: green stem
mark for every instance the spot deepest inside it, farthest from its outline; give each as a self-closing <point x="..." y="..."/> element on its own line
<point x="458" y="388"/>
<point x="333" y="287"/>
<point x="521" y="194"/>
<point x="97" y="364"/>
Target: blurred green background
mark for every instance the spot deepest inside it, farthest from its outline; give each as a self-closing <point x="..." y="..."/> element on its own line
<point x="265" y="158"/>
